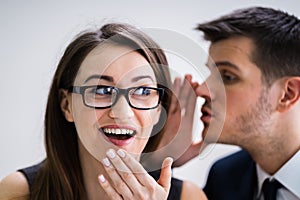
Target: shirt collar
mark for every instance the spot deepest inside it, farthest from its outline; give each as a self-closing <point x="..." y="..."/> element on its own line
<point x="261" y="176"/>
<point x="288" y="175"/>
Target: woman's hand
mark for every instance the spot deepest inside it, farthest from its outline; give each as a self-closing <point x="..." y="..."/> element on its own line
<point x="129" y="180"/>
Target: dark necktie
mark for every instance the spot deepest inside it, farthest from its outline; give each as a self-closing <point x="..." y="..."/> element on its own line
<point x="270" y="188"/>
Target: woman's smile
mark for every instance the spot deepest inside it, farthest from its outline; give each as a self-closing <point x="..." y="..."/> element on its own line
<point x="119" y="135"/>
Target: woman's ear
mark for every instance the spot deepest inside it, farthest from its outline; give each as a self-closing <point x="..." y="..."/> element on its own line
<point x="157" y="117"/>
<point x="66" y="105"/>
<point x="290" y="95"/>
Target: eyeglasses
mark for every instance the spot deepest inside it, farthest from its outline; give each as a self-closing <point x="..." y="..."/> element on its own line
<point x="102" y="96"/>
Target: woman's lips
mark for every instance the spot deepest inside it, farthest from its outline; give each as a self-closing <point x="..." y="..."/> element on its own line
<point x="118" y="135"/>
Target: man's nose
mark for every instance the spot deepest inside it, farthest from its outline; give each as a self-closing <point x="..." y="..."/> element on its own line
<point x="202" y="90"/>
<point x="121" y="109"/>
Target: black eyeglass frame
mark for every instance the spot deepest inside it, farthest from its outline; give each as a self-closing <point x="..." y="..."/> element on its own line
<point x="124" y="92"/>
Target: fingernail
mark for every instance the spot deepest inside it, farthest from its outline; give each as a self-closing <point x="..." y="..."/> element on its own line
<point x="101" y="178"/>
<point x="106" y="162"/>
<point x="110" y="153"/>
<point x="121" y="153"/>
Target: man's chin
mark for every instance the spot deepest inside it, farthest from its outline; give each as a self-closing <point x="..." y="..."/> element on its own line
<point x="210" y="137"/>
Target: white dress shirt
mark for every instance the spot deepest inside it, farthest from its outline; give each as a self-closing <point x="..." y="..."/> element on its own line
<point x="288" y="175"/>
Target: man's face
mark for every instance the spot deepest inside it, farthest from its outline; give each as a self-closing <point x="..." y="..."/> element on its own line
<point x="247" y="100"/>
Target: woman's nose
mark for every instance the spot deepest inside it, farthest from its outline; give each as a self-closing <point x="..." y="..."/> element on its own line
<point x="121" y="109"/>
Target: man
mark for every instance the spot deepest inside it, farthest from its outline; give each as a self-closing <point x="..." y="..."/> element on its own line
<point x="256" y="51"/>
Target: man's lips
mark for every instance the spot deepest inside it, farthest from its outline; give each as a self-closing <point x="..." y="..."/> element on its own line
<point x="118" y="135"/>
<point x="206" y="114"/>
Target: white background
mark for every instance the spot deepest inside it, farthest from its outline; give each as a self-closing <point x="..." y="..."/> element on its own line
<point x="34" y="35"/>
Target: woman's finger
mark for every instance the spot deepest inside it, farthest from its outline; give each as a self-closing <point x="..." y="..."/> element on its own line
<point x="140" y="173"/>
<point x="118" y="183"/>
<point x="123" y="164"/>
<point x="110" y="191"/>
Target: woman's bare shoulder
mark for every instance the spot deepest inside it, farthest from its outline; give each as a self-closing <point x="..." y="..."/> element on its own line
<point x="14" y="187"/>
<point x="191" y="191"/>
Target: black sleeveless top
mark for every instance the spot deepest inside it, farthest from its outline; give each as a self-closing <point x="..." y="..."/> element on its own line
<point x="175" y="190"/>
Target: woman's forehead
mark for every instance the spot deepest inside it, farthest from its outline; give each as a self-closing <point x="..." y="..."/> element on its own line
<point x="115" y="61"/>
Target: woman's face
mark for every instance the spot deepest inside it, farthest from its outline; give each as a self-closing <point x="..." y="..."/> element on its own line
<point x="119" y="126"/>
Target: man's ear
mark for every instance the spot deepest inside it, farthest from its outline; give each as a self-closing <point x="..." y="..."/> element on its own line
<point x="66" y="105"/>
<point x="290" y="94"/>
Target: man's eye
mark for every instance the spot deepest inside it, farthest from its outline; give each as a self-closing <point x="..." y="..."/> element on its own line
<point x="228" y="77"/>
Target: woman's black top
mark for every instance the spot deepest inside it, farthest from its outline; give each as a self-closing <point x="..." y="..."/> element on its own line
<point x="175" y="190"/>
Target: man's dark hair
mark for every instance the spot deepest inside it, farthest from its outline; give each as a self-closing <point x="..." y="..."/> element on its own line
<point x="275" y="33"/>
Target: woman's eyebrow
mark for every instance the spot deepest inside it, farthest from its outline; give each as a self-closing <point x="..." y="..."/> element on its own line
<point x="96" y="76"/>
<point x="141" y="77"/>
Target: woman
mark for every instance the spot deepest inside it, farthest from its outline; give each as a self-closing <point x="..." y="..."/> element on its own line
<point x="108" y="96"/>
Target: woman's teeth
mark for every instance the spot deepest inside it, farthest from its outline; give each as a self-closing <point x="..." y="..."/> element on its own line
<point x="118" y="131"/>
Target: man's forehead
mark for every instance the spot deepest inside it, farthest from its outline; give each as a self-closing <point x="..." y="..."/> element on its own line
<point x="239" y="44"/>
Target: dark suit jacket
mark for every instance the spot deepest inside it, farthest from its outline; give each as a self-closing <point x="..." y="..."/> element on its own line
<point x="233" y="178"/>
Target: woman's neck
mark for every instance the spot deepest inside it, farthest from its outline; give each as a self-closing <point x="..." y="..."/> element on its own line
<point x="91" y="169"/>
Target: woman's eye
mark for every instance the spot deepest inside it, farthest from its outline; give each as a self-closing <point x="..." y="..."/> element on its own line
<point x="102" y="91"/>
<point x="142" y="91"/>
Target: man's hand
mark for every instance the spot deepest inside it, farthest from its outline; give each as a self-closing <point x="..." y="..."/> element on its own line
<point x="178" y="130"/>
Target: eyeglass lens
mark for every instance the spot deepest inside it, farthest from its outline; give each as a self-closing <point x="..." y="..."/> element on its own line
<point x="104" y="96"/>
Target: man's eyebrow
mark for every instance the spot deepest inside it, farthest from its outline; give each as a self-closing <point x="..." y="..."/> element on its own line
<point x="141" y="77"/>
<point x="107" y="78"/>
<point x="225" y="63"/>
